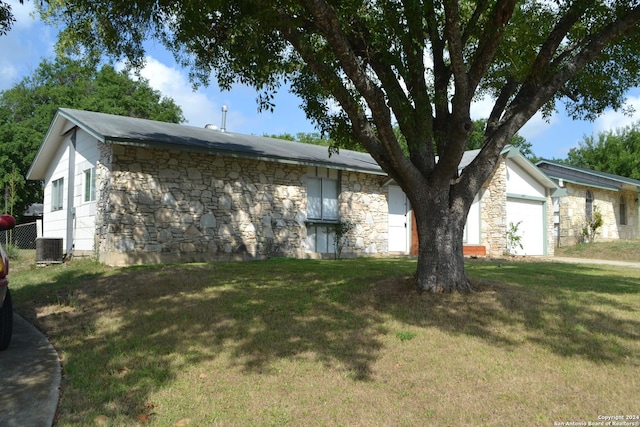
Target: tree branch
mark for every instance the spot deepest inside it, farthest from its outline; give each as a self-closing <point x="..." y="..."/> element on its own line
<point x="486" y="52"/>
<point x="327" y="23"/>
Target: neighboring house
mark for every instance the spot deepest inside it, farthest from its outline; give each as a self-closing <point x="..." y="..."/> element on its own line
<point x="132" y="191"/>
<point x="615" y="197"/>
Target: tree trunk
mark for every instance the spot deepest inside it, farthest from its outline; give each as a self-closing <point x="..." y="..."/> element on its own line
<point x="440" y="257"/>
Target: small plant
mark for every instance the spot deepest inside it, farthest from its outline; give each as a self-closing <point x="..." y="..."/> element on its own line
<point x="12" y="251"/>
<point x="514" y="239"/>
<point x="405" y="335"/>
<point x="340" y="232"/>
<point x="590" y="229"/>
<point x="267" y="244"/>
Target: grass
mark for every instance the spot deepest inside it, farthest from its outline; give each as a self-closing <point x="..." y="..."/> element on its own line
<point x="346" y="342"/>
<point x="624" y="250"/>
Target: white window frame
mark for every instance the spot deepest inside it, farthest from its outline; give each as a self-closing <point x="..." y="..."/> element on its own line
<point x="89" y="183"/>
<point x="57" y="194"/>
<point x="323" y="206"/>
<point x="323" y="193"/>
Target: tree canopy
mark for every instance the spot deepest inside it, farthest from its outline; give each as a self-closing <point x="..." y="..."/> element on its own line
<point x="476" y="140"/>
<point x="6" y="17"/>
<point x="361" y="68"/>
<point x="616" y="152"/>
<point x="26" y="111"/>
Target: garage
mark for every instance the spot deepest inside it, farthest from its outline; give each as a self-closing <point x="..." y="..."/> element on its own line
<point x="529" y="214"/>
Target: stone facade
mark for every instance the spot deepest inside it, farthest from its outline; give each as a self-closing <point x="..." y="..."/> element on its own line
<point x="572" y="214"/>
<point x="170" y="206"/>
<point x="493" y="213"/>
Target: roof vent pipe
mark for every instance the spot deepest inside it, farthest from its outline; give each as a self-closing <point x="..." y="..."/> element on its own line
<point x="224" y="119"/>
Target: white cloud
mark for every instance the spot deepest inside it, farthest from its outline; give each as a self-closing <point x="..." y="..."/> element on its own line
<point x="538" y="125"/>
<point x="197" y="108"/>
<point x="480" y="109"/>
<point x="612" y="120"/>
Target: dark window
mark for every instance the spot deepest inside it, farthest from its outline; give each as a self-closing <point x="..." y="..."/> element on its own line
<point x="588" y="211"/>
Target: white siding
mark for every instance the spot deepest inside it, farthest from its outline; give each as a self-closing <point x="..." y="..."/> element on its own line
<point x="520" y="183"/>
<point x="55" y="222"/>
<point x="87" y="156"/>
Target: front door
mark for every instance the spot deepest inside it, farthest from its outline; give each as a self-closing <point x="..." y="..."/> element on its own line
<point x="399" y="226"/>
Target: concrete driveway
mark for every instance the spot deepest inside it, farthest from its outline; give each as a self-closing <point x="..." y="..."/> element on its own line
<point x="29" y="378"/>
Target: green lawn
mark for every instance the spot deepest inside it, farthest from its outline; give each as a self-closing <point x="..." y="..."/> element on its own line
<point x="346" y="342"/>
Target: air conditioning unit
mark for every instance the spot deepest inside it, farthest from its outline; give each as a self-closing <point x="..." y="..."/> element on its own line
<point x="48" y="250"/>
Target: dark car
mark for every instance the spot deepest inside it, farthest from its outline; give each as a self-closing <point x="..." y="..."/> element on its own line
<point x="6" y="307"/>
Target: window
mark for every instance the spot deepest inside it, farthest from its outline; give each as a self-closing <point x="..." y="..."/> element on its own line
<point x="322" y="195"/>
<point x="90" y="185"/>
<point x="57" y="192"/>
<point x="623" y="211"/>
<point x="588" y="212"/>
<point x="320" y="238"/>
<point x="322" y="206"/>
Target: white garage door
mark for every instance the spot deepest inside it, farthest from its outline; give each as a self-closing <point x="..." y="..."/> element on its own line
<point x="530" y="216"/>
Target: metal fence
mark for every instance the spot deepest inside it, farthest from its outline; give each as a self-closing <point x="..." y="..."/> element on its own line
<point x="23" y="236"/>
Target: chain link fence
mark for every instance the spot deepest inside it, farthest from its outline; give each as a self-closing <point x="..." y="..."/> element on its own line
<point x="23" y="236"/>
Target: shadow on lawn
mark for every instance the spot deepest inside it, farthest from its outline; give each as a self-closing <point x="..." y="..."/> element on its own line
<point x="123" y="337"/>
<point x="573" y="311"/>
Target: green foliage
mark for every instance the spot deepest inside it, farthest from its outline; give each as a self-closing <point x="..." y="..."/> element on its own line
<point x="514" y="239"/>
<point x="405" y="335"/>
<point x="477" y="138"/>
<point x="590" y="229"/>
<point x="266" y="45"/>
<point x="341" y="229"/>
<point x="308" y="138"/>
<point x="616" y="152"/>
<point x="26" y="111"/>
<point x="12" y="251"/>
<point x="6" y="18"/>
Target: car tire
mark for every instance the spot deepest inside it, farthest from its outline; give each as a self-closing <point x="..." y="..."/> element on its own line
<point x="6" y="322"/>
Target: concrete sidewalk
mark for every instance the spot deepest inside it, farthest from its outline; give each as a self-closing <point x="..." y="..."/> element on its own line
<point x="29" y="378"/>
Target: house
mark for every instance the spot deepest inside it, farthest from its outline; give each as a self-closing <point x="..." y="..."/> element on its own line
<point x="615" y="197"/>
<point x="131" y="191"/>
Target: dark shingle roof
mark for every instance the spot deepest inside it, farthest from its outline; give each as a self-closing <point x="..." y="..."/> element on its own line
<point x="127" y="130"/>
<point x="583" y="176"/>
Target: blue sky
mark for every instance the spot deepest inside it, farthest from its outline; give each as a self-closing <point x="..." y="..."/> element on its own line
<point x="30" y="41"/>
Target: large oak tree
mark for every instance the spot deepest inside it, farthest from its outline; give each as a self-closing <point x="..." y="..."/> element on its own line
<point x="363" y="66"/>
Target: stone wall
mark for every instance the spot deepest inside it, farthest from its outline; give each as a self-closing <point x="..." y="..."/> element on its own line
<point x="171" y="206"/>
<point x="364" y="202"/>
<point x="493" y="211"/>
<point x="573" y="214"/>
<point x="551" y="240"/>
